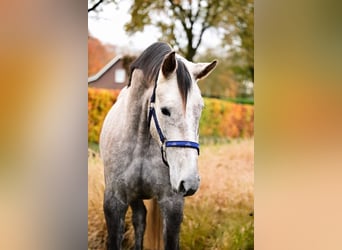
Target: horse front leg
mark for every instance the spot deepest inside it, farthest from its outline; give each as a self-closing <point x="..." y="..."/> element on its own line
<point x="139" y="222"/>
<point x="172" y="211"/>
<point x="115" y="211"/>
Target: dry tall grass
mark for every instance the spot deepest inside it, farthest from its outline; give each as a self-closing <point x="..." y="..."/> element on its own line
<point x="97" y="230"/>
<point x="216" y="217"/>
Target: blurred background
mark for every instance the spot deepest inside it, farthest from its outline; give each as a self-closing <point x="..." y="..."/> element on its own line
<point x="220" y="215"/>
<point x="44" y="124"/>
<point x="198" y="30"/>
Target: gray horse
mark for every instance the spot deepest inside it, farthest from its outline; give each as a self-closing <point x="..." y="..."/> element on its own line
<point x="149" y="143"/>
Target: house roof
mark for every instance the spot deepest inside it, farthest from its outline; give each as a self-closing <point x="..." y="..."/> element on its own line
<point x="104" y="69"/>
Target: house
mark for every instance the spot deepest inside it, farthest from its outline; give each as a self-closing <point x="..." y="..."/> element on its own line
<point x="111" y="76"/>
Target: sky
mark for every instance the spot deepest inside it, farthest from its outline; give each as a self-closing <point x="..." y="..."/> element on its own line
<point x="108" y="26"/>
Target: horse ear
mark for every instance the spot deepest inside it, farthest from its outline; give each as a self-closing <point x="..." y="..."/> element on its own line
<point x="169" y="64"/>
<point x="203" y="69"/>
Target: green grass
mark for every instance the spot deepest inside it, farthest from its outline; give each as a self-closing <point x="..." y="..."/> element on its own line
<point x="241" y="100"/>
<point x="94" y="146"/>
<point x="210" y="226"/>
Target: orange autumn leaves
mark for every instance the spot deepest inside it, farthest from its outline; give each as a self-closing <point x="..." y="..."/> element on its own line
<point x="226" y="119"/>
<point x="219" y="118"/>
<point x="99" y="103"/>
<point x="98" y="55"/>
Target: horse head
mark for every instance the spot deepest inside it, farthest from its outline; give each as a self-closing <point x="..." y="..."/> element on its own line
<point x="176" y="106"/>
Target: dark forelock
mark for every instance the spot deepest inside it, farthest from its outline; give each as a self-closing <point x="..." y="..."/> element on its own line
<point x="150" y="62"/>
<point x="184" y="81"/>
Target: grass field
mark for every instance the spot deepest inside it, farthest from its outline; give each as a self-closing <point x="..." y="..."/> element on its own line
<point x="218" y="216"/>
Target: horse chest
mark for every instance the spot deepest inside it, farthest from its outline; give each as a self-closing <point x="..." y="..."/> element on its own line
<point x="141" y="181"/>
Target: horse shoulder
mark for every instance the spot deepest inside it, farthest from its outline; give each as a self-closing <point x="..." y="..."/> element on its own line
<point x="113" y="124"/>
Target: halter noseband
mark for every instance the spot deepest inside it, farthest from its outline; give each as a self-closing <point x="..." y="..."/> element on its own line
<point x="164" y="142"/>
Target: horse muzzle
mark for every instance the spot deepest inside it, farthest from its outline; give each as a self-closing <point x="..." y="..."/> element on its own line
<point x="188" y="187"/>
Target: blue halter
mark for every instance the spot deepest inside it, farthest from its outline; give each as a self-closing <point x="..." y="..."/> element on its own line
<point x="164" y="142"/>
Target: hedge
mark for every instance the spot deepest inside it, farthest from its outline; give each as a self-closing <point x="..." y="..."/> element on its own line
<point x="219" y="118"/>
<point x="226" y="119"/>
<point x="99" y="103"/>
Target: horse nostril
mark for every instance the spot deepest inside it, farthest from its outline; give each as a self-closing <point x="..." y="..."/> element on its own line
<point x="186" y="191"/>
<point x="181" y="188"/>
<point x="190" y="192"/>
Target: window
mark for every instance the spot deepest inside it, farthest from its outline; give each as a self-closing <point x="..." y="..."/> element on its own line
<point x="120" y="75"/>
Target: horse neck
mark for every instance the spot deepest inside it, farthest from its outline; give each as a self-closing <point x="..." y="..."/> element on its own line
<point x="137" y="112"/>
<point x="141" y="142"/>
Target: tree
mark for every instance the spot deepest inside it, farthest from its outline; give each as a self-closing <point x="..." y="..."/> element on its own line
<point x="243" y="22"/>
<point x="98" y="55"/>
<point x="222" y="82"/>
<point x="182" y="23"/>
<point x="95" y="4"/>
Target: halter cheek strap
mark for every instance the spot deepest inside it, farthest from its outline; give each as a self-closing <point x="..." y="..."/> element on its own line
<point x="164" y="142"/>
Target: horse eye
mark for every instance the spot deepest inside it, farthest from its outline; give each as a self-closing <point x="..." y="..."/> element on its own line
<point x="165" y="111"/>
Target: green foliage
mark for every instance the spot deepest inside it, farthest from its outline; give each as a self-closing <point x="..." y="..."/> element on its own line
<point x="183" y="23"/>
<point x="243" y="22"/>
<point x="94" y="146"/>
<point x="228" y="80"/>
<point x="221" y="82"/>
<point x="241" y="100"/>
<point x="190" y="19"/>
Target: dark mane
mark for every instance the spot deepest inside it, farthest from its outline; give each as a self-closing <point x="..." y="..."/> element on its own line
<point x="184" y="81"/>
<point x="150" y="62"/>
